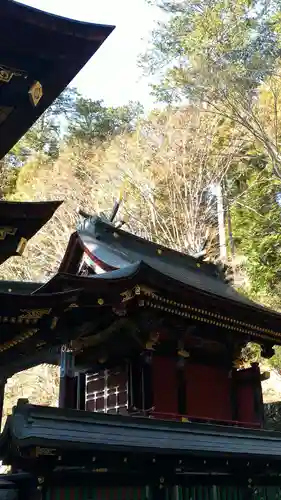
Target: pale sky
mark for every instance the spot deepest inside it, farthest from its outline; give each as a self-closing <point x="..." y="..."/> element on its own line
<point x="112" y="74"/>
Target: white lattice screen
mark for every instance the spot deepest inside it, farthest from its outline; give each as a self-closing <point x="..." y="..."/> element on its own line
<point x="107" y="391"/>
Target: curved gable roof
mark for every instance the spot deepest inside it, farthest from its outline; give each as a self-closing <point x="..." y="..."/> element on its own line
<point x="38" y="47"/>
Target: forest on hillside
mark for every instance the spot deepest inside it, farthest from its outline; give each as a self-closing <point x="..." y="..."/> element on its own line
<point x="200" y="174"/>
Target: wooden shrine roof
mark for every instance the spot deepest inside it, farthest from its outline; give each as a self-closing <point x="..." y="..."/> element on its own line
<point x="118" y="249"/>
<point x="19" y="221"/>
<point x="43" y="436"/>
<point x="111" y="315"/>
<point x="40" y="54"/>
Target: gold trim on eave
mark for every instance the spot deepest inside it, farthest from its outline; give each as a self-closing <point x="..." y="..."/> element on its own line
<point x="18" y="340"/>
<point x="28" y="316"/>
<point x="209" y="321"/>
<point x="206" y="316"/>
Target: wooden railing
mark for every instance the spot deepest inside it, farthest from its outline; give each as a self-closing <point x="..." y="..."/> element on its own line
<point x="175" y="417"/>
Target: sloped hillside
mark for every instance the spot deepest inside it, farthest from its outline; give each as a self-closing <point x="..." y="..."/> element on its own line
<point x="272" y="387"/>
<point x="39" y="385"/>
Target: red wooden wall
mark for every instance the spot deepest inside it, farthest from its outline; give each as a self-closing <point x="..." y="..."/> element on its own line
<point x="208" y="392"/>
<point x="248" y="385"/>
<point x="165" y="385"/>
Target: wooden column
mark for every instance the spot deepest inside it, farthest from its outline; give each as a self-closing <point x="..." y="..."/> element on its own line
<point x="233" y="393"/>
<point x="258" y="398"/>
<point x="147" y="388"/>
<point x="182" y="403"/>
<point x="68" y="386"/>
<point x="135" y="385"/>
<point x="249" y="391"/>
<point x="234" y="350"/>
<point x="2" y="397"/>
<point x="81" y="391"/>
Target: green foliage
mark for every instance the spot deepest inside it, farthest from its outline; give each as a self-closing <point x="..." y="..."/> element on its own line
<point x="28" y="172"/>
<point x="221" y="52"/>
<point x="256" y="220"/>
<point x="92" y="121"/>
<point x="275" y="361"/>
<point x="45" y="135"/>
<point x="8" y="179"/>
<point x="75" y="119"/>
<point x="211" y="48"/>
<point x="251" y="353"/>
<point x="272" y="414"/>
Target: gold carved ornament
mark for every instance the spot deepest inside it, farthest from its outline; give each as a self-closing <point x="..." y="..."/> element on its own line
<point x="39" y="451"/>
<point x="7" y="231"/>
<point x="70" y="307"/>
<point x="130" y="293"/>
<point x="6" y="74"/>
<point x="153" y="341"/>
<point x="33" y="315"/>
<point x="36" y="93"/>
<point x="28" y="316"/>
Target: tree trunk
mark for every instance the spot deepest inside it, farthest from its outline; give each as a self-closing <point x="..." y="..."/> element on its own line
<point x="221" y="223"/>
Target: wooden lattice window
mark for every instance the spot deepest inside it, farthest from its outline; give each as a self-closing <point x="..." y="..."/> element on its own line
<point x="107" y="391"/>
